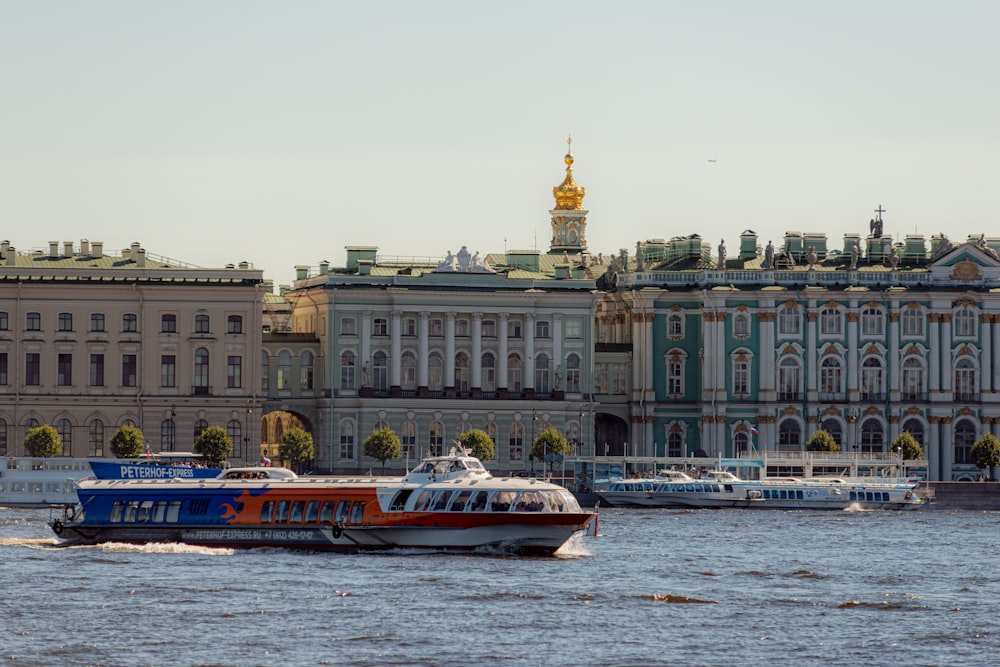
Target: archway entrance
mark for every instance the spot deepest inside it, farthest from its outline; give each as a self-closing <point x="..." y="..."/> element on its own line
<point x="610" y="435"/>
<point x="273" y="425"/>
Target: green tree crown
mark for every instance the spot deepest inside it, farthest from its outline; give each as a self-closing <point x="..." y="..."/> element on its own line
<point x="128" y="442"/>
<point x="296" y="446"/>
<point x="822" y="441"/>
<point x="986" y="452"/>
<point x="912" y="451"/>
<point x="43" y="441"/>
<point x="478" y="443"/>
<point x="383" y="444"/>
<point x="214" y="445"/>
<point x="549" y="441"/>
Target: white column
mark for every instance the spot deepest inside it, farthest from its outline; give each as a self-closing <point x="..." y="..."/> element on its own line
<point x="423" y="333"/>
<point x="397" y="335"/>
<point x="502" y="361"/>
<point x="765" y="373"/>
<point x="934" y="335"/>
<point x="476" y="363"/>
<point x="852" y="356"/>
<point x="722" y="363"/>
<point x="557" y="342"/>
<point x="986" y="360"/>
<point x="529" y="351"/>
<point x="893" y="357"/>
<point x="810" y="360"/>
<point x="947" y="383"/>
<point x="449" y="350"/>
<point x="366" y="338"/>
<point x="996" y="346"/>
<point x="708" y="353"/>
<point x="934" y="451"/>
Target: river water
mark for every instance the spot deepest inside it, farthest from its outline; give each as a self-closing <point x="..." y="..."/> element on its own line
<point x="656" y="587"/>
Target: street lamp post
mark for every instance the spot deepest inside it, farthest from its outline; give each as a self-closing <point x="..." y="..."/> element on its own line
<point x="534" y="436"/>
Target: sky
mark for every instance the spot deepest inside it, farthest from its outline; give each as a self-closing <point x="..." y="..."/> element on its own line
<point x="278" y="133"/>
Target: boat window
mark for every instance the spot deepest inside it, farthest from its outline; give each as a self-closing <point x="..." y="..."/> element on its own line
<point x="267" y="511"/>
<point x="441" y="500"/>
<point x="296" y="514"/>
<point x="281" y="512"/>
<point x="460" y="500"/>
<point x="159" y="509"/>
<point x="502" y="501"/>
<point x="342" y="508"/>
<point x="131" y="510"/>
<point x="423" y="501"/>
<point x="358" y="512"/>
<point x="312" y="511"/>
<point x="530" y="501"/>
<point x="399" y="502"/>
<point x="326" y="512"/>
<point x="173" y="511"/>
<point x="426" y="467"/>
<point x="473" y="465"/>
<point x="144" y="509"/>
<point x="478" y="502"/>
<point x="116" y="511"/>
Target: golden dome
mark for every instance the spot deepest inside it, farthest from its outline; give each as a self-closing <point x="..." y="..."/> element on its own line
<point x="569" y="195"/>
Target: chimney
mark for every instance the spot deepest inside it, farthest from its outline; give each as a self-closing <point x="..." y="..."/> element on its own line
<point x="67" y="248"/>
<point x="53" y="249"/>
<point x="301" y="272"/>
<point x="244" y="265"/>
<point x="134" y="254"/>
<point x="85" y="247"/>
<point x="3" y="247"/>
<point x="140" y="258"/>
<point x="97" y="249"/>
<point x="324" y="268"/>
<point x="11" y="254"/>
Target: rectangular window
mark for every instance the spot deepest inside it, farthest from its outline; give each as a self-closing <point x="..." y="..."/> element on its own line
<point x="201" y="324"/>
<point x="97" y="321"/>
<point x="573" y="328"/>
<point x="489" y="329"/>
<point x="64" y="370"/>
<point x="462" y="328"/>
<point x="168" y="370"/>
<point x="741" y="377"/>
<point x="128" y="370"/>
<point x="233" y="372"/>
<point x="409" y="327"/>
<point x="130" y="323"/>
<point x="32" y="368"/>
<point x="168" y="323"/>
<point x="675" y="377"/>
<point x="33" y="322"/>
<point x="65" y="321"/>
<point x="380" y="327"/>
<point x="234" y="324"/>
<point x="436" y="328"/>
<point x="348" y="327"/>
<point x="513" y="328"/>
<point x="913" y="323"/>
<point x="541" y="329"/>
<point x="3" y="368"/>
<point x="97" y="370"/>
<point x="4" y="321"/>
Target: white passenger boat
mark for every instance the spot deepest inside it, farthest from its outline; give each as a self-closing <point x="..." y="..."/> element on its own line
<point x="723" y="489"/>
<point x="445" y="503"/>
<point x="640" y="491"/>
<point x="27" y="481"/>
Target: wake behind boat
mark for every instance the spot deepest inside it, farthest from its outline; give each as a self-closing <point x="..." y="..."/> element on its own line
<point x="445" y="503"/>
<point x="723" y="489"/>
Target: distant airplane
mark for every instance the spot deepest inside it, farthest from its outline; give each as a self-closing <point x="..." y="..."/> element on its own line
<point x="712" y="160"/>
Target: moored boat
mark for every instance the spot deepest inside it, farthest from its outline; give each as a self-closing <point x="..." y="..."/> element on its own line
<point x="723" y="489"/>
<point x="29" y="481"/>
<point x="640" y="492"/>
<point x="446" y="503"/>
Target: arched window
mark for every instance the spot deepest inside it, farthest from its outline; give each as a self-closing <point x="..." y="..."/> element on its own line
<point x="675" y="326"/>
<point x="789" y="436"/>
<point x="789" y="379"/>
<point x="436" y="437"/>
<point x="347" y="440"/>
<point x="830" y="379"/>
<point x="461" y="372"/>
<point x="380" y="371"/>
<point x="168" y="435"/>
<point x="543" y="374"/>
<point x="201" y="371"/>
<point x="461" y="428"/>
<point x="965" y="380"/>
<point x="489" y="372"/>
<point x="279" y="429"/>
<point x="835" y="429"/>
<point x="347" y="370"/>
<point x="741" y="442"/>
<point x="872" y="380"/>
<point x="515" y="442"/>
<point x="306" y="370"/>
<point x="915" y="428"/>
<point x="284" y="370"/>
<point x="675" y="441"/>
<point x="573" y="373"/>
<point x="65" y="430"/>
<point x="408" y="439"/>
<point x="872" y="436"/>
<point x="408" y="366"/>
<point x="435" y="372"/>
<point x="911" y="386"/>
<point x="234" y="429"/>
<point x="741" y="326"/>
<point x="96" y="438"/>
<point x="965" y="437"/>
<point x="199" y="426"/>
<point x="381" y="425"/>
<point x="491" y="430"/>
<point x="514" y="372"/>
